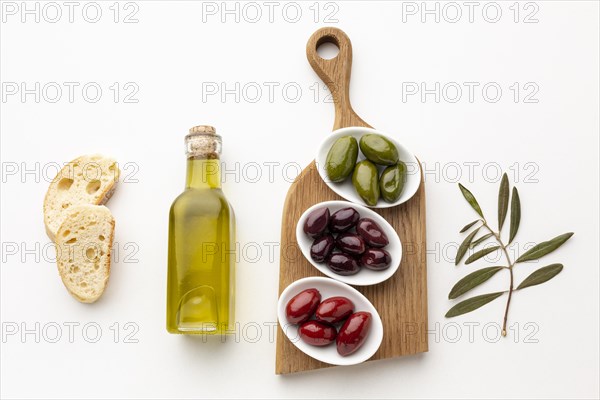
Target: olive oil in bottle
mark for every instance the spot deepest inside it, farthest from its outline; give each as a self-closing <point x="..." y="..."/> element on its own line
<point x="201" y="270"/>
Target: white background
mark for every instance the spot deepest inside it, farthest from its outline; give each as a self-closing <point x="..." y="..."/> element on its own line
<point x="173" y="53"/>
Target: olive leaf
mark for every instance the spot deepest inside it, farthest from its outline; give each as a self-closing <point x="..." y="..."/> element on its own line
<point x="466" y="227"/>
<point x="542" y="275"/>
<point x="481" y="253"/>
<point x="515" y="214"/>
<point x="476" y="278"/>
<point x="472" y="280"/>
<point x="544" y="248"/>
<point x="472" y="304"/>
<point x="503" y="196"/>
<point x="464" y="246"/>
<point x="481" y="240"/>
<point x="471" y="199"/>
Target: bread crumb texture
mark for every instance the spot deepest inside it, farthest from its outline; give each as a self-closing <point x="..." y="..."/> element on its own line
<point x="89" y="179"/>
<point x="83" y="244"/>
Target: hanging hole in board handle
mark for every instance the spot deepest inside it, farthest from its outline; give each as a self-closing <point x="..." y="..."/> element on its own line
<point x="327" y="48"/>
<point x="320" y="47"/>
<point x="335" y="72"/>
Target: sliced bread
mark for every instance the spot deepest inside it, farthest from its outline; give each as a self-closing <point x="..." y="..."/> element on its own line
<point x="83" y="245"/>
<point x="89" y="179"/>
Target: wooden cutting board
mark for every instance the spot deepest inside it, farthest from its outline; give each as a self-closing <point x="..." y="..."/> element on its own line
<point x="402" y="299"/>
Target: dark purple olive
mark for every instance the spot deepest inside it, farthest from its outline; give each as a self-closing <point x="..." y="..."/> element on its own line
<point x="322" y="247"/>
<point x="376" y="259"/>
<point x="350" y="243"/>
<point x="343" y="264"/>
<point x="371" y="232"/>
<point x="316" y="222"/>
<point x="343" y="219"/>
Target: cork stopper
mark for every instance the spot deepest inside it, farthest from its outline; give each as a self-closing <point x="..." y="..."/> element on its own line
<point x="203" y="129"/>
<point x="202" y="142"/>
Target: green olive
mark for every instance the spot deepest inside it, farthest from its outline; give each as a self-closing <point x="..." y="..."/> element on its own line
<point x="379" y="149"/>
<point x="365" y="182"/>
<point x="341" y="158"/>
<point x="391" y="182"/>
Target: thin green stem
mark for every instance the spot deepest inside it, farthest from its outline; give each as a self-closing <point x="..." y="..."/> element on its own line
<point x="510" y="292"/>
<point x="510" y="266"/>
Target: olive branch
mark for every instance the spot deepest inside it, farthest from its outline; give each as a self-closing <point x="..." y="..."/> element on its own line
<point x="478" y="277"/>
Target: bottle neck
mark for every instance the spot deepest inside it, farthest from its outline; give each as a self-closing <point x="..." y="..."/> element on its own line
<point x="203" y="173"/>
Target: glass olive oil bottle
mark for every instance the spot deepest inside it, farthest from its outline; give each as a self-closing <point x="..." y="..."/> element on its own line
<point x="201" y="270"/>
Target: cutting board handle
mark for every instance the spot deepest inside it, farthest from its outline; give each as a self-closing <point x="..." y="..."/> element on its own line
<point x="335" y="73"/>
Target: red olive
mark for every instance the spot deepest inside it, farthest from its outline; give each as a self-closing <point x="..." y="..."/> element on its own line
<point x="316" y="222"/>
<point x="334" y="310"/>
<point x="321" y="248"/>
<point x="302" y="306"/>
<point x="350" y="243"/>
<point x="317" y="333"/>
<point x="371" y="232"/>
<point x="353" y="333"/>
<point x="343" y="264"/>
<point x="343" y="219"/>
<point x="376" y="259"/>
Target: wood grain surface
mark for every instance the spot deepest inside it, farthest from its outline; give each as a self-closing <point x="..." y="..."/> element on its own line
<point x="401" y="300"/>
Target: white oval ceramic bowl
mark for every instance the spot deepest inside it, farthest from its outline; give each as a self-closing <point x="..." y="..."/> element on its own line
<point x="366" y="276"/>
<point x="329" y="288"/>
<point x="346" y="189"/>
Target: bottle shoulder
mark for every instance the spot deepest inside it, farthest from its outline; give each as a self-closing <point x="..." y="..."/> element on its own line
<point x="201" y="200"/>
